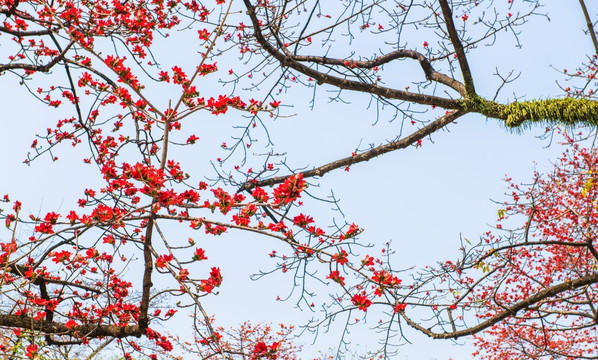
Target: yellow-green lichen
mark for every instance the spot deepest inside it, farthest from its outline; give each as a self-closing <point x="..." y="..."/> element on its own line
<point x="566" y="111"/>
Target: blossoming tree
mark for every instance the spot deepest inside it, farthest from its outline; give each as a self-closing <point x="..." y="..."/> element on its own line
<point x="63" y="286"/>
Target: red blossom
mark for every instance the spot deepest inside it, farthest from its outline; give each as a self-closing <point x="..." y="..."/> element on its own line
<point x="263" y="351"/>
<point x="31" y="351"/>
<point x="341" y="257"/>
<point x="44" y="228"/>
<point x="335" y="276"/>
<point x="361" y="301"/>
<point x="290" y="190"/>
<point x="302" y="220"/>
<point x="199" y="254"/>
<point x="399" y="307"/>
<point x="71" y="324"/>
<point x="163" y="260"/>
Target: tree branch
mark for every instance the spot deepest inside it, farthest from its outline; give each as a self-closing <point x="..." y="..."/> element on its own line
<point x="510" y="311"/>
<point x="366" y="156"/>
<point x="25" y="33"/>
<point x="425" y="64"/>
<point x="54" y="328"/>
<point x="40" y="68"/>
<point x="589" y="24"/>
<point x="148" y="262"/>
<point x="454" y="38"/>
<point x="287" y="60"/>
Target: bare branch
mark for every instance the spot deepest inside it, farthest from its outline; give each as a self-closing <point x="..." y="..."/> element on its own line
<point x="589" y="24"/>
<point x="454" y="37"/>
<point x="287" y="60"/>
<point x="366" y="156"/>
<point x="425" y="64"/>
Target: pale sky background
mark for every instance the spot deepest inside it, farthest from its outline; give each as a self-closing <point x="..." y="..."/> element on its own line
<point x="420" y="199"/>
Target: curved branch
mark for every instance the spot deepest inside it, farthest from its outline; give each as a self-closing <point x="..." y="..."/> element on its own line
<point x="425" y="64"/>
<point x="287" y="60"/>
<point x="510" y="311"/>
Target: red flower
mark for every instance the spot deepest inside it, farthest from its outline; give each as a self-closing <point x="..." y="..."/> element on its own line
<point x="290" y="190"/>
<point x="163" y="76"/>
<point x="207" y="68"/>
<point x="51" y="218"/>
<point x="383" y="277"/>
<point x="163" y="260"/>
<point x="72" y="217"/>
<point x="183" y="275"/>
<point x="260" y="195"/>
<point x="91" y="253"/>
<point x="71" y="324"/>
<point x="62" y="256"/>
<point x="335" y="276"/>
<point x="361" y="301"/>
<point x="203" y="34"/>
<point x="206" y="286"/>
<point x="215" y="276"/>
<point x="399" y="308"/>
<point x="261" y="350"/>
<point x="109" y="239"/>
<point x="302" y="220"/>
<point x="192" y="139"/>
<point x="341" y="257"/>
<point x="199" y="254"/>
<point x="351" y="232"/>
<point x="31" y="351"/>
<point x="215" y="280"/>
<point x="44" y="228"/>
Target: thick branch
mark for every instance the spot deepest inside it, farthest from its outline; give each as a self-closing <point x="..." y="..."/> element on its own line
<point x="366" y="156"/>
<point x="589" y="24"/>
<point x="565" y="111"/>
<point x="54" y="328"/>
<point x="25" y="33"/>
<point x="510" y="311"/>
<point x="13" y="8"/>
<point x="425" y="64"/>
<point x="147" y="274"/>
<point x="454" y="38"/>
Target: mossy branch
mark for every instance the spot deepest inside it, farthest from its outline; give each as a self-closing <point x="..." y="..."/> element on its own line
<point x="566" y="111"/>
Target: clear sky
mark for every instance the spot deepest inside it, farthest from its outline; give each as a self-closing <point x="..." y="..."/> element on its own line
<point x="421" y="199"/>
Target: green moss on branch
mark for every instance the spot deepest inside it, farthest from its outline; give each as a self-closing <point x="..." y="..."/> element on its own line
<point x="566" y="111"/>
